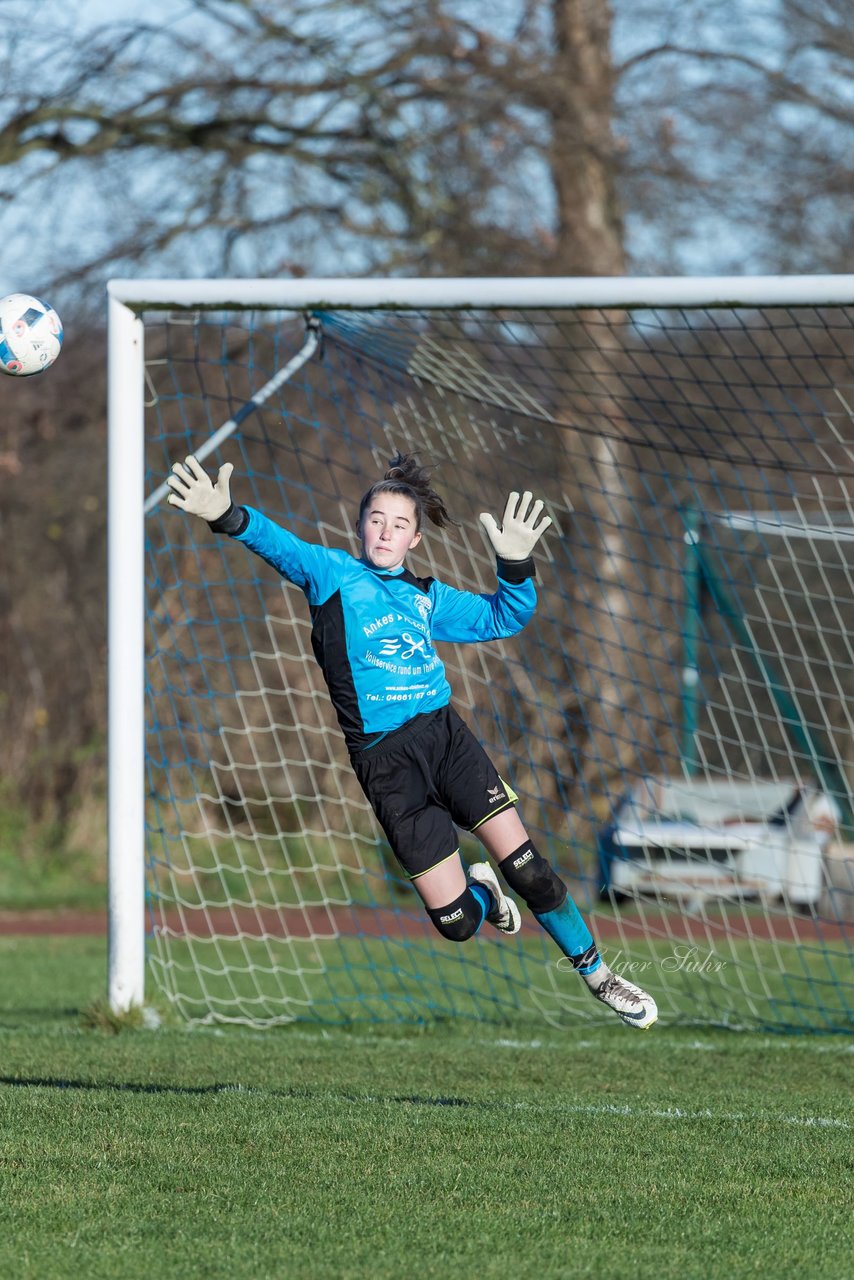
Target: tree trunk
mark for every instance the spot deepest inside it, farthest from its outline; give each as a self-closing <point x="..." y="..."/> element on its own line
<point x="589" y="241"/>
<point x="589" y="230"/>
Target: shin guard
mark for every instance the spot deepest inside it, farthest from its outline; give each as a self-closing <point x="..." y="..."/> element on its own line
<point x="461" y="919"/>
<point x="530" y="876"/>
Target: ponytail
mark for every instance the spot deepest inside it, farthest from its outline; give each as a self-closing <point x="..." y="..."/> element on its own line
<point x="405" y="476"/>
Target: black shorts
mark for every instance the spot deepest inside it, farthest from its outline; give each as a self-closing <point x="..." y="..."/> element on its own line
<point x="426" y="779"/>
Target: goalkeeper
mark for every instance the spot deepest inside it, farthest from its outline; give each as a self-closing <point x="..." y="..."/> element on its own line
<point x="374" y="626"/>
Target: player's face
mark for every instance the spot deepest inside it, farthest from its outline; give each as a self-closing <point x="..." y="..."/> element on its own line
<point x="388" y="530"/>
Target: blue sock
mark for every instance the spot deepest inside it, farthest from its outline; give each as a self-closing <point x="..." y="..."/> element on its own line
<point x="566" y="925"/>
<point x="484" y="898"/>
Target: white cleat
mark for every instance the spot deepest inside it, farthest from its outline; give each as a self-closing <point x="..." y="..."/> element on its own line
<point x="505" y="914"/>
<point x="634" y="1006"/>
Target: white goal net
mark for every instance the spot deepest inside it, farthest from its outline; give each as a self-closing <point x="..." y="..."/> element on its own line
<point x="677" y="718"/>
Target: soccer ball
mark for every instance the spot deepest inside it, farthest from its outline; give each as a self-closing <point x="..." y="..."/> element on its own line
<point x="30" y="335"/>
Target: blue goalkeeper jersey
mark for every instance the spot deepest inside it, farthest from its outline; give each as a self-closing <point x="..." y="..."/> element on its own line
<point x="373" y="631"/>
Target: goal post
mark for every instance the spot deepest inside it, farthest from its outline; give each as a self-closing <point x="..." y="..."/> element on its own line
<point x="676" y="718"/>
<point x="126" y="657"/>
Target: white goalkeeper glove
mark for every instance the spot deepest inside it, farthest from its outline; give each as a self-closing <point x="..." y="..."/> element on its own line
<point x="193" y="491"/>
<point x="518" y="533"/>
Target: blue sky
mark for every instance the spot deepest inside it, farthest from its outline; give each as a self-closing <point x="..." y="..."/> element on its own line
<point x="89" y="204"/>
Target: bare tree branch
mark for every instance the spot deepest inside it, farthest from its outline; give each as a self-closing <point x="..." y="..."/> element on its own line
<point x="513" y="148"/>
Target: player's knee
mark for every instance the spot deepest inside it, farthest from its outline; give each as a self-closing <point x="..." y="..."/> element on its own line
<point x="533" y="879"/>
<point x="460" y="919"/>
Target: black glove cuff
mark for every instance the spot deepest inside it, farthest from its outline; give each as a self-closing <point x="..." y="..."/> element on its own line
<point x="232" y="521"/>
<point x="516" y="570"/>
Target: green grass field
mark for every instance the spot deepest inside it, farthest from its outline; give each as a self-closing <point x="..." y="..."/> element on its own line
<point x="460" y="1149"/>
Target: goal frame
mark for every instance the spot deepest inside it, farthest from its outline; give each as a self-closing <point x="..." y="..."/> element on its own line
<point x="128" y="300"/>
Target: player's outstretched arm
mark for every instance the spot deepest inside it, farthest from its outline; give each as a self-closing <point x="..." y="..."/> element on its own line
<point x="194" y="492"/>
<point x="519" y="531"/>
<point x="463" y="616"/>
<point x="316" y="569"/>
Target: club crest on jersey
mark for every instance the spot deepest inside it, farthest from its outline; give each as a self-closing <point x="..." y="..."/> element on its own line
<point x="423" y="604"/>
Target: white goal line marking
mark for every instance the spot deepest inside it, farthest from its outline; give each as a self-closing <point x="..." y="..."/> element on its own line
<point x="616" y="1109"/>
<point x="679" y="1113"/>
<point x="804" y="1043"/>
<point x="625" y="1110"/>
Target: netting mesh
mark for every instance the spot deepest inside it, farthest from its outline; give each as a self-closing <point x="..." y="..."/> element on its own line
<point x="676" y="718"/>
